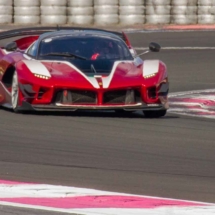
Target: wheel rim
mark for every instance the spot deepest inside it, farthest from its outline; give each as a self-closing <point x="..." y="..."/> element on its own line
<point x="15" y="91"/>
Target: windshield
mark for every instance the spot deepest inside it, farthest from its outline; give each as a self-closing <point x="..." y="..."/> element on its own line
<point x="84" y="48"/>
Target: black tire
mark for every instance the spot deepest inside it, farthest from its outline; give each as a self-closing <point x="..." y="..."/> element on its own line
<point x="155" y="114"/>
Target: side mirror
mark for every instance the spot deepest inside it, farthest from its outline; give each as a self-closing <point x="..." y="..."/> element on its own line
<point x="154" y="47"/>
<point x="11" y="47"/>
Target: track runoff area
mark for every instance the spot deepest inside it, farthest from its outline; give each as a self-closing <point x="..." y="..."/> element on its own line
<point x="195" y="103"/>
<point x="73" y="200"/>
<point x="81" y="201"/>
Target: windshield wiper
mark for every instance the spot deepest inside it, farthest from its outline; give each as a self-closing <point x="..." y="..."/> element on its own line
<point x="64" y="54"/>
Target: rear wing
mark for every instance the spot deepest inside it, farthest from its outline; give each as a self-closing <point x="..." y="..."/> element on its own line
<point x="41" y="30"/>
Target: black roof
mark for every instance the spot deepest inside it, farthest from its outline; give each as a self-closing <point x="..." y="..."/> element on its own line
<point x="45" y="30"/>
<point x="41" y="30"/>
<point x="78" y="32"/>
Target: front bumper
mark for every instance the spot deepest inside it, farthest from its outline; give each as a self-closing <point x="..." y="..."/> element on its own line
<point x="62" y="107"/>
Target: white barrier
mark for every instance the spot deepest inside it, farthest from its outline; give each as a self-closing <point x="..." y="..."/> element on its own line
<point x="107" y="12"/>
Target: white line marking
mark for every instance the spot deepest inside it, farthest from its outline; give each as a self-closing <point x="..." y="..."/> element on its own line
<point x="187" y="104"/>
<point x="192" y="115"/>
<point x="209" y="210"/>
<point x="152" y="31"/>
<point x="171" y="95"/>
<point x="59" y="191"/>
<point x="177" y="48"/>
<point x="189" y="112"/>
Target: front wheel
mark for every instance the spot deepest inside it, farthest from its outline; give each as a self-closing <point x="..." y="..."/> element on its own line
<point x="15" y="92"/>
<point x="155" y="114"/>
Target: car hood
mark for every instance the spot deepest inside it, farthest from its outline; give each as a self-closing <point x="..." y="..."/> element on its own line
<point x="115" y="75"/>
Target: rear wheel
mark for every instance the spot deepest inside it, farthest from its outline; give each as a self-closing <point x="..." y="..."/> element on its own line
<point x="15" y="92"/>
<point x="155" y="114"/>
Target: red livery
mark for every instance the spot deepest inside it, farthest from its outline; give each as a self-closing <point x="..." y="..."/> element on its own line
<point x="77" y="68"/>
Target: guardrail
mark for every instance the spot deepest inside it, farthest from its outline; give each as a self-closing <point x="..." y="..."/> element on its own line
<point x="107" y="12"/>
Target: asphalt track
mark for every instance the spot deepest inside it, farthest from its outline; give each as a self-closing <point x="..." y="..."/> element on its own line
<point x="170" y="157"/>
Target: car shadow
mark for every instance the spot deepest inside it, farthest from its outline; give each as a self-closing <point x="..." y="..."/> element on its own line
<point x="98" y="114"/>
<point x="91" y="113"/>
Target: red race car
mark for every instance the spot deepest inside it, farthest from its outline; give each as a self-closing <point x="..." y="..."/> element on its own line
<point x="68" y="69"/>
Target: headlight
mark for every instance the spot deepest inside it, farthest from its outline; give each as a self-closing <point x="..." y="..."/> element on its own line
<point x="150" y="76"/>
<point x="42" y="76"/>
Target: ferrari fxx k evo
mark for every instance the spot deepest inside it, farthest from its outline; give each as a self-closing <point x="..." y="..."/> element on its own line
<point x="47" y="69"/>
